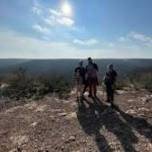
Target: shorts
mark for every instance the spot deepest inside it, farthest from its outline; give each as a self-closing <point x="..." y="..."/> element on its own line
<point x="80" y="80"/>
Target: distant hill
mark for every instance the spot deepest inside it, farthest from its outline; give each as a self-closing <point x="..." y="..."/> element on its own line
<point x="65" y="67"/>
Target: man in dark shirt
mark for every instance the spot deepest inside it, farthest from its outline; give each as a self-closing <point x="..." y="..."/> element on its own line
<point x="109" y="80"/>
<point x="79" y="73"/>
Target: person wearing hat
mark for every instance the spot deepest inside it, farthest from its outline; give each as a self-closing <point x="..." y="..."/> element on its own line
<point x="91" y="78"/>
<point x="79" y="74"/>
<point x="109" y="81"/>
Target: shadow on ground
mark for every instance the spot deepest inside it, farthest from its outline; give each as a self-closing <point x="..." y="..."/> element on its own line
<point x="96" y="115"/>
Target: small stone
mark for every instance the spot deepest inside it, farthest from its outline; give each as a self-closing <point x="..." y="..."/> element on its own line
<point x="143" y="109"/>
<point x="34" y="124"/>
<point x="131" y="111"/>
<point x="120" y="92"/>
<point x="131" y="100"/>
<point x="62" y="114"/>
<point x="41" y="108"/>
<point x="71" y="115"/>
<point x="72" y="138"/>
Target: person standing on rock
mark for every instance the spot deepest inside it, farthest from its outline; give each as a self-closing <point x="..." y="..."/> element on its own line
<point x="79" y="74"/>
<point x="91" y="78"/>
<point x="109" y="81"/>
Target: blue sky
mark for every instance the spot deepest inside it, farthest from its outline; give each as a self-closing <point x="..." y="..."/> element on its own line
<point x="75" y="28"/>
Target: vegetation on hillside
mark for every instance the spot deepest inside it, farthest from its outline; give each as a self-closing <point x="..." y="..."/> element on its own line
<point x="21" y="85"/>
<point x="142" y="79"/>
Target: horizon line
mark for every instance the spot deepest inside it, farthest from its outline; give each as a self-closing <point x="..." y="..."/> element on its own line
<point x="75" y="58"/>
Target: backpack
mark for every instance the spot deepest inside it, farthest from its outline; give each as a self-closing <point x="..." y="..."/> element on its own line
<point x="106" y="79"/>
<point x="110" y="77"/>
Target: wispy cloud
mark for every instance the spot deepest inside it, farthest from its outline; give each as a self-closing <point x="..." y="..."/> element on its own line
<point x="36" y="9"/>
<point x="41" y="29"/>
<point x="122" y="39"/>
<point x="56" y="18"/>
<point x="65" y="21"/>
<point x="53" y="23"/>
<point x="52" y="17"/>
<point x="55" y="12"/>
<point x="15" y="45"/>
<point x="137" y="38"/>
<point x="146" y="40"/>
<point x="88" y="42"/>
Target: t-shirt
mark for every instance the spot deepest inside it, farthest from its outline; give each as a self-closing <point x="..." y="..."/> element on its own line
<point x="92" y="70"/>
<point x="110" y="77"/>
<point x="80" y="72"/>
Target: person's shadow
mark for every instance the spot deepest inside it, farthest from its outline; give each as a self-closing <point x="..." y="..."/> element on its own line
<point x="92" y="120"/>
<point x="139" y="124"/>
<point x="91" y="125"/>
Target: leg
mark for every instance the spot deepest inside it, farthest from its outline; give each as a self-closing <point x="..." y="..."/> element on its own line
<point x="108" y="93"/>
<point x="95" y="89"/>
<point x="112" y="95"/>
<point x="78" y="88"/>
<point x="90" y="90"/>
<point x="77" y="91"/>
<point x="82" y="87"/>
<point x="85" y="87"/>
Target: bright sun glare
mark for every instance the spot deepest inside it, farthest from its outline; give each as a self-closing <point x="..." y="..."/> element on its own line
<point x="66" y="9"/>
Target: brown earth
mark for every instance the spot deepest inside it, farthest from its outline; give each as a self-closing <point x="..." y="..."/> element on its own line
<point x="55" y="125"/>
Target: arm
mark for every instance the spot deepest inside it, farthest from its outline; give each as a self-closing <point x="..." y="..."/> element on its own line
<point x="96" y="67"/>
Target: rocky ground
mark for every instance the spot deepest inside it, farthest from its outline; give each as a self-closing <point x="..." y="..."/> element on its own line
<point x="55" y="125"/>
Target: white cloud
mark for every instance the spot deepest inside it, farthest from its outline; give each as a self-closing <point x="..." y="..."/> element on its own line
<point x="41" y="29"/>
<point x="137" y="38"/>
<point x="144" y="39"/>
<point x="36" y="10"/>
<point x="55" y="12"/>
<point x="52" y="17"/>
<point x="88" y="42"/>
<point x="50" y="21"/>
<point x="15" y="45"/>
<point x="122" y="39"/>
<point x="58" y="18"/>
<point x="140" y="37"/>
<point x="65" y="21"/>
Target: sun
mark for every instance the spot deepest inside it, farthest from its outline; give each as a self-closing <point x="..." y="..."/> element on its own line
<point x="66" y="9"/>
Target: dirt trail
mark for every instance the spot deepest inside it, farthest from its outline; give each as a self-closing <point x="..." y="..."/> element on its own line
<point x="55" y="125"/>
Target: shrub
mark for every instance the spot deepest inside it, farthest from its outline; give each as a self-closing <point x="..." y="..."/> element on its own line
<point x="142" y="80"/>
<point x="23" y="86"/>
<point x="60" y="86"/>
<point x="121" y="84"/>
